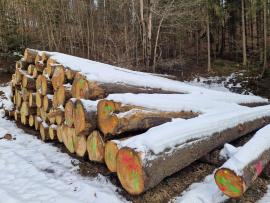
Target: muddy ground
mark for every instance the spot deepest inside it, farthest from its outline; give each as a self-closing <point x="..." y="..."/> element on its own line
<point x="174" y="185"/>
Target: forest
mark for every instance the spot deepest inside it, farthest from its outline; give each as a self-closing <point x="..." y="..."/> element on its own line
<point x="147" y="35"/>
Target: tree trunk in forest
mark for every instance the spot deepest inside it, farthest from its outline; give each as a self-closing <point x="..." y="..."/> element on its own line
<point x="208" y="43"/>
<point x="265" y="64"/>
<point x="244" y="46"/>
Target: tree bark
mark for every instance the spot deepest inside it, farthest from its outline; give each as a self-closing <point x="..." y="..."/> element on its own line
<point x="244" y="34"/>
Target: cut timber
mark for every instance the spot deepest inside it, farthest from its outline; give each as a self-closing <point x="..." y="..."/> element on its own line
<point x="18" y="96"/>
<point x="30" y="69"/>
<point x="68" y="135"/>
<point x="62" y="95"/>
<point x="22" y="64"/>
<point x="60" y="116"/>
<point x="24" y="119"/>
<point x="44" y="131"/>
<point x="35" y="73"/>
<point x="46" y="86"/>
<point x="95" y="147"/>
<point x="32" y="100"/>
<point x="38" y="59"/>
<point x="147" y="159"/>
<point x="242" y="169"/>
<point x="47" y="102"/>
<point x="110" y="153"/>
<point x="59" y="133"/>
<point x="112" y="123"/>
<point x="43" y="115"/>
<point x="26" y="110"/>
<point x="80" y="145"/>
<point x="17" y="115"/>
<point x="51" y="65"/>
<point x="53" y="132"/>
<point x="70" y="74"/>
<point x="38" y="83"/>
<point x="58" y="78"/>
<point x="31" y="120"/>
<point x="69" y="112"/>
<point x="85" y="89"/>
<point x="45" y="57"/>
<point x="30" y="55"/>
<point x="85" y="116"/>
<point x="51" y="116"/>
<point x="19" y="75"/>
<point x="25" y="94"/>
<point x="38" y="122"/>
<point x="29" y="82"/>
<point x="39" y="100"/>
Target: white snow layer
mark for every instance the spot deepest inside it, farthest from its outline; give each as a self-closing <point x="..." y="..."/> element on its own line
<point x="107" y="73"/>
<point x="5" y="98"/>
<point x="34" y="172"/>
<point x="177" y="132"/>
<point x="207" y="190"/>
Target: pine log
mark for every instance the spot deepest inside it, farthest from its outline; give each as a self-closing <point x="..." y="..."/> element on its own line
<point x="26" y="110"/>
<point x="43" y="115"/>
<point x="58" y="78"/>
<point x="60" y="116"/>
<point x="69" y="112"/>
<point x="59" y="133"/>
<point x="70" y="74"/>
<point x="19" y="75"/>
<point x="30" y="69"/>
<point x="39" y="100"/>
<point x="24" y="119"/>
<point x="112" y="123"/>
<point x="140" y="168"/>
<point x="62" y="95"/>
<point x="85" y="116"/>
<point x="30" y="55"/>
<point x="46" y="86"/>
<point x="85" y="89"/>
<point x="242" y="169"/>
<point x="68" y="135"/>
<point x="17" y="115"/>
<point x="95" y="147"/>
<point x="11" y="113"/>
<point x="110" y="153"/>
<point x="32" y="99"/>
<point x="38" y="59"/>
<point x="25" y="94"/>
<point x="45" y="57"/>
<point x="29" y="82"/>
<point x="80" y="145"/>
<point x="18" y="95"/>
<point x="35" y="73"/>
<point x="51" y="116"/>
<point x="47" y="102"/>
<point x="53" y="132"/>
<point x="38" y="83"/>
<point x="22" y="64"/>
<point x="44" y="132"/>
<point x="38" y="122"/>
<point x="31" y="120"/>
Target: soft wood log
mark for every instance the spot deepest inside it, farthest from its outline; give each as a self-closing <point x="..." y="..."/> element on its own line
<point x="68" y="135"/>
<point x="112" y="123"/>
<point x="44" y="131"/>
<point x="85" y="89"/>
<point x="62" y="95"/>
<point x="29" y="82"/>
<point x="30" y="55"/>
<point x="53" y="132"/>
<point x="47" y="102"/>
<point x="39" y="100"/>
<point x="19" y="75"/>
<point x="110" y="153"/>
<point x="59" y="133"/>
<point x="51" y="116"/>
<point x="18" y="95"/>
<point x="32" y="99"/>
<point x="69" y="112"/>
<point x="11" y="113"/>
<point x="26" y="110"/>
<point x="31" y="120"/>
<point x="38" y="112"/>
<point x="85" y="116"/>
<point x="38" y="59"/>
<point x="43" y="115"/>
<point x="46" y="86"/>
<point x="22" y="64"/>
<point x="58" y="78"/>
<point x="95" y="147"/>
<point x="17" y="115"/>
<point x="242" y="169"/>
<point x="139" y="171"/>
<point x="35" y="73"/>
<point x="25" y="94"/>
<point x="30" y="69"/>
<point x="45" y="57"/>
<point x="80" y="145"/>
<point x="38" y="122"/>
<point x="24" y="119"/>
<point x="60" y="116"/>
<point x="70" y="74"/>
<point x="38" y="83"/>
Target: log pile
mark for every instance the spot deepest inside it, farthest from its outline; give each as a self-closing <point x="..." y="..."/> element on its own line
<point x="66" y="107"/>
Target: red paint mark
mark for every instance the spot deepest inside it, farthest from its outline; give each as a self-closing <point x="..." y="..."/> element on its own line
<point x="259" y="167"/>
<point x="129" y="161"/>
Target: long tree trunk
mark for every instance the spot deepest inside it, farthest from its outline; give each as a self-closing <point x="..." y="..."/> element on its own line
<point x="208" y="43"/>
<point x="244" y="34"/>
<point x="265" y="35"/>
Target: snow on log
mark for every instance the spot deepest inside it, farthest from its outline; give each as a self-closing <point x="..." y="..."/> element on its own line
<point x="95" y="147"/>
<point x="59" y="77"/>
<point x="146" y="159"/>
<point x="113" y="122"/>
<point x="30" y="55"/>
<point x="85" y="116"/>
<point x="241" y="170"/>
<point x="62" y="95"/>
<point x="38" y="122"/>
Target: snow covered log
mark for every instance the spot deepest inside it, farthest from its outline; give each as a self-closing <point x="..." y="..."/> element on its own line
<point x="95" y="147"/>
<point x="62" y="95"/>
<point x="30" y="55"/>
<point x="59" y="77"/>
<point x="85" y="116"/>
<point x="86" y="89"/>
<point x="146" y="159"/>
<point x="115" y="118"/>
<point x="38" y="122"/>
<point x="241" y="170"/>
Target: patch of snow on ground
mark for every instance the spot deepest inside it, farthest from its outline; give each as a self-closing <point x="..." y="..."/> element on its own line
<point x="35" y="172"/>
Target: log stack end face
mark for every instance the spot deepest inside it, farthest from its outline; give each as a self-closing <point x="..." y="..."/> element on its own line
<point x="80" y="89"/>
<point x="130" y="171"/>
<point x="230" y="183"/>
<point x="110" y="154"/>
